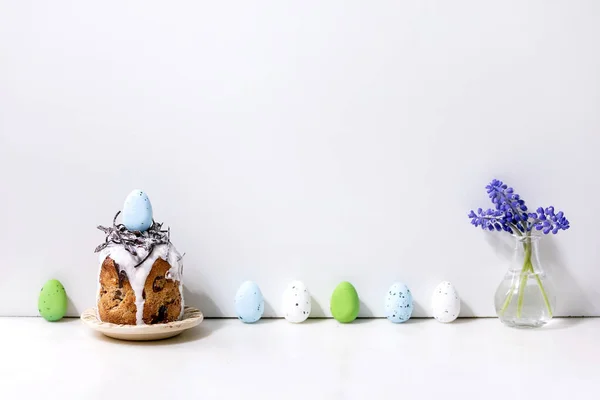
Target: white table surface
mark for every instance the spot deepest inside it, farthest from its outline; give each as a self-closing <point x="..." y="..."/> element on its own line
<point x="320" y="359"/>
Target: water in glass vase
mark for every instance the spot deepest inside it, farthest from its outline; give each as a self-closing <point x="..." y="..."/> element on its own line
<point x="525" y="297"/>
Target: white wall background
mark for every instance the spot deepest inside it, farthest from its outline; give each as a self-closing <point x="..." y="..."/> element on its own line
<point x="317" y="140"/>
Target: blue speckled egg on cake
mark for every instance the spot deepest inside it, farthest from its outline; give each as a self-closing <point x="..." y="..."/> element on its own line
<point x="249" y="302"/>
<point x="398" y="303"/>
<point x="137" y="211"/>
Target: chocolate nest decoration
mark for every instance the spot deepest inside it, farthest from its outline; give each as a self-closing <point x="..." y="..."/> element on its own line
<point x="119" y="234"/>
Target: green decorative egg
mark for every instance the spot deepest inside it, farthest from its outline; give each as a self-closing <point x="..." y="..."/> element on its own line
<point x="52" y="303"/>
<point x="344" y="303"/>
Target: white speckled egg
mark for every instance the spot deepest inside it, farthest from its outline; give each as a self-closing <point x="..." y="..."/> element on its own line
<point x="249" y="302"/>
<point x="137" y="211"/>
<point x="296" y="302"/>
<point x="445" y="303"/>
<point x="398" y="303"/>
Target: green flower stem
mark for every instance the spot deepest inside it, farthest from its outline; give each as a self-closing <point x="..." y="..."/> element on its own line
<point x="512" y="284"/>
<point x="522" y="284"/>
<point x="523" y="277"/>
<point x="544" y="294"/>
<point x="508" y="298"/>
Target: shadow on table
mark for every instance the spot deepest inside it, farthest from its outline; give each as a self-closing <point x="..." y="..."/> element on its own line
<point x="561" y="323"/>
<point x="463" y="320"/>
<point x="197" y="333"/>
<point x="66" y="320"/>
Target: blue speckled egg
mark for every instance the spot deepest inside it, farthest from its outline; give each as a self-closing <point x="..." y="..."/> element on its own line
<point x="249" y="302"/>
<point x="398" y="303"/>
<point x="137" y="211"/>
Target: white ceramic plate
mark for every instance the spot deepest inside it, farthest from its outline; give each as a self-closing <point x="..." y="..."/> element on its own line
<point x="191" y="318"/>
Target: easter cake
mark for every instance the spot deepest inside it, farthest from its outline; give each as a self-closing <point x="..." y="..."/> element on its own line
<point x="140" y="277"/>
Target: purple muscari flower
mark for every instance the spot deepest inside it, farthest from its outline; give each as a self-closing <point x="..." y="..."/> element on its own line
<point x="511" y="213"/>
<point x="547" y="221"/>
<point x="505" y="197"/>
<point x="488" y="219"/>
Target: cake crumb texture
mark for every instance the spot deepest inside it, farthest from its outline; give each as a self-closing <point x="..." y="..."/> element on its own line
<point x="163" y="298"/>
<point x="116" y="301"/>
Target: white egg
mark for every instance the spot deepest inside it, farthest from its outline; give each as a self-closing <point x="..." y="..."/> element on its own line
<point x="445" y="303"/>
<point x="296" y="302"/>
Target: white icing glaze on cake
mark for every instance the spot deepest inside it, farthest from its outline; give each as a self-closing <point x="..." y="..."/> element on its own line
<point x="137" y="275"/>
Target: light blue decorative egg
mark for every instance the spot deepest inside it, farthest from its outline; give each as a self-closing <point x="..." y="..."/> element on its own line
<point x="398" y="303"/>
<point x="249" y="302"/>
<point x="137" y="211"/>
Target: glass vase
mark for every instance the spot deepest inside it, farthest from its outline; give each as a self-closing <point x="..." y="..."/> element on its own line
<point x="525" y="297"/>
